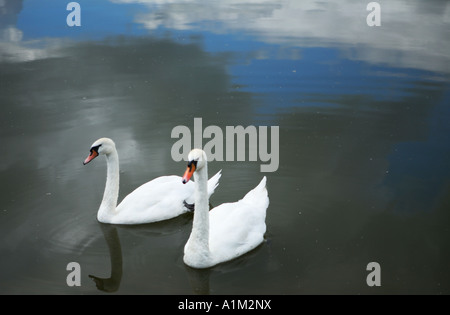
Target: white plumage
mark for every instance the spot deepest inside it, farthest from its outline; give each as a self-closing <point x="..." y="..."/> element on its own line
<point x="160" y="199"/>
<point x="227" y="231"/>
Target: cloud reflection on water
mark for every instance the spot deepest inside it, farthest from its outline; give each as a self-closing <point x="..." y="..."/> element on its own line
<point x="412" y="34"/>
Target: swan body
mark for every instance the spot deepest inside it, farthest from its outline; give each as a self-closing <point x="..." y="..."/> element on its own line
<point x="227" y="231"/>
<point x="163" y="198"/>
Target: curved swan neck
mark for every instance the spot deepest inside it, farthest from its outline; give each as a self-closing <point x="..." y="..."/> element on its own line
<point x="199" y="238"/>
<point x="111" y="193"/>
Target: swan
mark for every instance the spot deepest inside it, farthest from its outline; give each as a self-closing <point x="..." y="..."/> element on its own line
<point x="160" y="199"/>
<point x="227" y="231"/>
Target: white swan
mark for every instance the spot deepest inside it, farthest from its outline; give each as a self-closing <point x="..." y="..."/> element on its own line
<point x="227" y="231"/>
<point x="163" y="198"/>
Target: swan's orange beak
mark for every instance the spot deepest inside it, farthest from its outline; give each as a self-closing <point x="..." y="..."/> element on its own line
<point x="189" y="171"/>
<point x="91" y="156"/>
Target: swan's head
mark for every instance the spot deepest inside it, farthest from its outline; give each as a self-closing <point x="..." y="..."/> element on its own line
<point x="196" y="161"/>
<point x="101" y="146"/>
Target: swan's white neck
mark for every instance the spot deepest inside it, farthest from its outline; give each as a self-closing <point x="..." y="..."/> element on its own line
<point x="111" y="194"/>
<point x="199" y="240"/>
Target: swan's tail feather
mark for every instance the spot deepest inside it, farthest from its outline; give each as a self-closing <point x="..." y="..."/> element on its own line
<point x="213" y="182"/>
<point x="258" y="194"/>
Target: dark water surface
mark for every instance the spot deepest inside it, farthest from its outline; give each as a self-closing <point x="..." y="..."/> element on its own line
<point x="364" y="141"/>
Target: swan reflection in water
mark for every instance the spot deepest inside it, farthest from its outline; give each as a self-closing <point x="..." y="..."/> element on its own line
<point x="199" y="279"/>
<point x="112" y="283"/>
<point x="111" y="236"/>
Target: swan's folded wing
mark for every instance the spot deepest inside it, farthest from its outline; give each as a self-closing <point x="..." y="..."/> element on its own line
<point x="236" y="229"/>
<point x="159" y="199"/>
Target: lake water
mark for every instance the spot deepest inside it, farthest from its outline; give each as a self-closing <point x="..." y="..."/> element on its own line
<point x="363" y="115"/>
